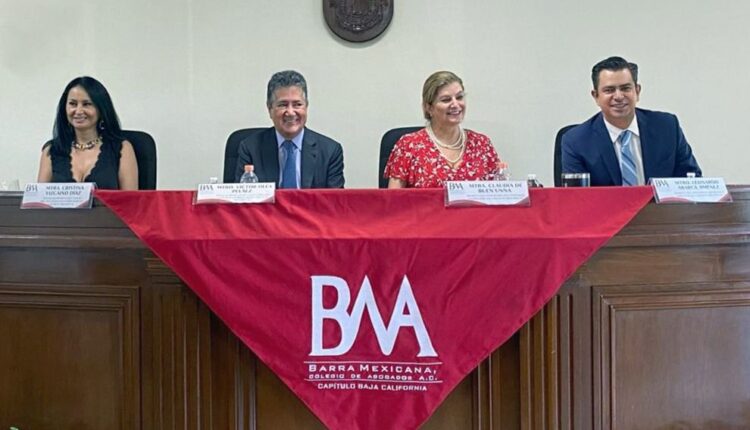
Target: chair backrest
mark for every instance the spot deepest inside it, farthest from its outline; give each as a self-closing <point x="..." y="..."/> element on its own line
<point x="145" y="154"/>
<point x="558" y="154"/>
<point x="387" y="142"/>
<point x="233" y="146"/>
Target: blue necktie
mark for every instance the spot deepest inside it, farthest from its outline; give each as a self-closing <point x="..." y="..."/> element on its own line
<point x="627" y="163"/>
<point x="289" y="177"/>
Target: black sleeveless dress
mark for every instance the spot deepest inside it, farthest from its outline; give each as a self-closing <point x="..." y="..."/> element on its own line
<point x="105" y="172"/>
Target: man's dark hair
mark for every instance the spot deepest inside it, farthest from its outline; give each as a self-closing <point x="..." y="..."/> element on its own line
<point x="613" y="64"/>
<point x="287" y="78"/>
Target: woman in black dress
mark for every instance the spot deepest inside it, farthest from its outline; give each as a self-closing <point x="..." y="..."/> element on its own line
<point x="87" y="145"/>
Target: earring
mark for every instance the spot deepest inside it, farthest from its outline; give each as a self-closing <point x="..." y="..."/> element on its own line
<point x="101" y="125"/>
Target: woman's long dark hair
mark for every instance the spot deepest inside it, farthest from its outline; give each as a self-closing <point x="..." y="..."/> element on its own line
<point x="108" y="127"/>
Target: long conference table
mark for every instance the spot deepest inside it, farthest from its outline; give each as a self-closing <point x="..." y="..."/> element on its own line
<point x="96" y="332"/>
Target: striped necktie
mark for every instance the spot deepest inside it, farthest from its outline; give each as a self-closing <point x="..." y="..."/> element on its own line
<point x="627" y="162"/>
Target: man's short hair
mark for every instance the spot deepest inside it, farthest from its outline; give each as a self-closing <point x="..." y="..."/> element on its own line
<point x="286" y="78"/>
<point x="613" y="64"/>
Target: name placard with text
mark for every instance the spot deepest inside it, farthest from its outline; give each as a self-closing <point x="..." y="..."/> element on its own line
<point x="261" y="192"/>
<point x="690" y="190"/>
<point x="62" y="195"/>
<point x="487" y="193"/>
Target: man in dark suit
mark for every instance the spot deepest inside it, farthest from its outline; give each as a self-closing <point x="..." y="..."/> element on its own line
<point x="288" y="153"/>
<point x="623" y="145"/>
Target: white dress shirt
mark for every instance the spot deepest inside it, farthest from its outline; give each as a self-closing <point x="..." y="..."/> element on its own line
<point x="635" y="144"/>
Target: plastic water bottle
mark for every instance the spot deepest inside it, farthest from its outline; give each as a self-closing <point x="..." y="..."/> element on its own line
<point x="501" y="172"/>
<point x="249" y="176"/>
<point x="533" y="181"/>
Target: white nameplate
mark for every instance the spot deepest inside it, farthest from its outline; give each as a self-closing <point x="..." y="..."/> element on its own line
<point x="486" y="193"/>
<point x="59" y="195"/>
<point x="690" y="190"/>
<point x="260" y="192"/>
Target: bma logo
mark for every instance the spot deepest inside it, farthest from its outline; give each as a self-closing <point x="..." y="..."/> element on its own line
<point x="455" y="186"/>
<point x="405" y="314"/>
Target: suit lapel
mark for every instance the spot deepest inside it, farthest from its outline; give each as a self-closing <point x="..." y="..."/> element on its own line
<point x="269" y="156"/>
<point x="606" y="149"/>
<point x="648" y="149"/>
<point x="309" y="158"/>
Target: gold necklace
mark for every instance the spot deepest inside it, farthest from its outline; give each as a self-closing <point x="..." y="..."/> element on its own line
<point x="91" y="144"/>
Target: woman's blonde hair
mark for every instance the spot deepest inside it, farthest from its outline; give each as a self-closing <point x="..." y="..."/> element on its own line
<point x="432" y="85"/>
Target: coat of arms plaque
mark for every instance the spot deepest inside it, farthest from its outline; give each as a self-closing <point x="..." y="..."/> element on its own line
<point x="358" y="20"/>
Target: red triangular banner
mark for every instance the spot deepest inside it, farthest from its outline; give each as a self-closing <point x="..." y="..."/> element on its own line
<point x="371" y="305"/>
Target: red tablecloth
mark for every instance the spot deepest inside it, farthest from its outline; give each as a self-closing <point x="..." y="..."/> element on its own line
<point x="371" y="305"/>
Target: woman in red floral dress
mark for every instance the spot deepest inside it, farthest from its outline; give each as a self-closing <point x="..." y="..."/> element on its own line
<point x="442" y="151"/>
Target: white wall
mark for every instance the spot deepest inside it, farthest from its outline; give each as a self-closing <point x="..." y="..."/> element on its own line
<point x="191" y="71"/>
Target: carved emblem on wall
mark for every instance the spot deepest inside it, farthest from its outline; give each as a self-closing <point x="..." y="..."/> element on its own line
<point x="358" y="20"/>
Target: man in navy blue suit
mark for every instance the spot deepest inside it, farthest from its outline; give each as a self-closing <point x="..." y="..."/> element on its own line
<point x="289" y="153"/>
<point x="624" y="145"/>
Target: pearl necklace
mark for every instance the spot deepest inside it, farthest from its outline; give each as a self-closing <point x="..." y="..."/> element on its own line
<point x="459" y="144"/>
<point x="91" y="144"/>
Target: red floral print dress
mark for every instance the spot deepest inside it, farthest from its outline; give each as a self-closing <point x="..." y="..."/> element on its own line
<point x="417" y="161"/>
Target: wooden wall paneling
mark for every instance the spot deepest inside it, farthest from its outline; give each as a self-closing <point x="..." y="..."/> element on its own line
<point x="561" y="347"/>
<point x="492" y="397"/>
<point x="72" y="266"/>
<point x="694" y="216"/>
<point x="674" y="355"/>
<point x="69" y="356"/>
<point x="176" y="356"/>
<point x="541" y="366"/>
<point x="246" y="393"/>
<point x="662" y="265"/>
<point x="574" y="356"/>
<point x="277" y="406"/>
<point x="657" y="278"/>
<point x="460" y="408"/>
<point x="505" y="389"/>
<point x="481" y="399"/>
<point x="533" y="370"/>
<point x="233" y="385"/>
<point x="649" y="333"/>
<point x="497" y="385"/>
<point x="202" y="375"/>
